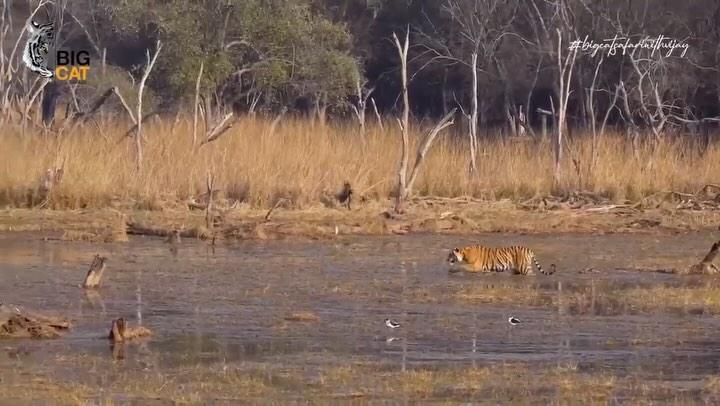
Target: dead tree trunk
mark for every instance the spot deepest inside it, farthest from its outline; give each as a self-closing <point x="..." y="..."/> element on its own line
<point x="404" y="122"/>
<point x="424" y="147"/>
<point x="361" y="107"/>
<point x="219" y="129"/>
<point x="51" y="94"/>
<point x="377" y="115"/>
<point x="706" y="266"/>
<point x="120" y="331"/>
<point x="632" y="127"/>
<point x="591" y="114"/>
<point x="117" y="330"/>
<point x="30" y="102"/>
<point x="197" y="102"/>
<point x="474" y="115"/>
<point x="321" y="108"/>
<point x="138" y="133"/>
<point x="210" y="183"/>
<point x="565" y="70"/>
<point x="95" y="274"/>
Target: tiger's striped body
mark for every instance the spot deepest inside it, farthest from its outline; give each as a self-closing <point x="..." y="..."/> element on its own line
<point x="478" y="258"/>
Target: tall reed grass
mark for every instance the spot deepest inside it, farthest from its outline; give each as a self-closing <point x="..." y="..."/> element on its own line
<point x="303" y="161"/>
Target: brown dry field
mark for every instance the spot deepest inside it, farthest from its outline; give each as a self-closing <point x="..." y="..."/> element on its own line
<point x="299" y="166"/>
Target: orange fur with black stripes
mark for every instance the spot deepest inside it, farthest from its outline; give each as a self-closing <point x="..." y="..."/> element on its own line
<point x="478" y="258"/>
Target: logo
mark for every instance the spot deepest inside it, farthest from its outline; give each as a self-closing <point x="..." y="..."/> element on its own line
<point x="659" y="43"/>
<point x="37" y="48"/>
<point x="40" y="48"/>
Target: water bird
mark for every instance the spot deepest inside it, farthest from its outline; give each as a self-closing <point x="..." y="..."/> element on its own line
<point x="514" y="320"/>
<point x="391" y="324"/>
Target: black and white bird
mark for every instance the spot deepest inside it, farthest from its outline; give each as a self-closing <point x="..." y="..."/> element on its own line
<point x="392" y="324"/>
<point x="514" y="320"/>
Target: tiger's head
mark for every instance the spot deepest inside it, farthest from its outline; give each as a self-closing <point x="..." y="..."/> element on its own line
<point x="456" y="255"/>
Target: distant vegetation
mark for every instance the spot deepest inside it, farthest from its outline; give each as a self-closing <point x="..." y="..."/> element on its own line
<point x="257" y="164"/>
<point x="292" y="98"/>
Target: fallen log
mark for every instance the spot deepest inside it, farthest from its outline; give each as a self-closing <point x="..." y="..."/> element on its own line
<point x="17" y="323"/>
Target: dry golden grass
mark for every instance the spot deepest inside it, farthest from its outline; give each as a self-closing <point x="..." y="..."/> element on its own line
<point x="606" y="298"/>
<point x="501" y="294"/>
<point x="302" y="316"/>
<point x="202" y="384"/>
<point x="498" y="383"/>
<point x="308" y="163"/>
<point x="706" y="298"/>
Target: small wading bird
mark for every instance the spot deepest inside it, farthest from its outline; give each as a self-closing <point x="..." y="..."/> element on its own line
<point x="513" y="320"/>
<point x="392" y="324"/>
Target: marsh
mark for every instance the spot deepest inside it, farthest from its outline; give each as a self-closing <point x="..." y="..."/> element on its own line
<point x="224" y="325"/>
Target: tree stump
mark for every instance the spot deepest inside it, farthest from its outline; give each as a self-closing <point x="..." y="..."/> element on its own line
<point x="95" y="273"/>
<point x="345" y="195"/>
<point x="706" y="266"/>
<point x="121" y="332"/>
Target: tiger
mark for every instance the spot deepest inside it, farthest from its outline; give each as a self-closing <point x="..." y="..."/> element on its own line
<point x="35" y="54"/>
<point x="478" y="258"/>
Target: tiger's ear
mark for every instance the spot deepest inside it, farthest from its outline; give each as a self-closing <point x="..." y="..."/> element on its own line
<point x="456" y="250"/>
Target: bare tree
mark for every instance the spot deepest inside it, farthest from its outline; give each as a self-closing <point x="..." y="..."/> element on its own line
<point x="565" y="70"/>
<point x="404" y="122"/>
<point x="196" y="104"/>
<point x="555" y="18"/>
<point x="362" y="94"/>
<point x="424" y="147"/>
<point x="650" y="105"/>
<point x="30" y="100"/>
<point x="377" y="114"/>
<point x="138" y="132"/>
<point x="482" y="25"/>
<point x="405" y="185"/>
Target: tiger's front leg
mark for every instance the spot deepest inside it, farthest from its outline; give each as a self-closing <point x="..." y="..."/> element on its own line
<point x="479" y="268"/>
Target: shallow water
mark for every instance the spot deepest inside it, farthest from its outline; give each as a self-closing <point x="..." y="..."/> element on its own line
<point x="227" y="304"/>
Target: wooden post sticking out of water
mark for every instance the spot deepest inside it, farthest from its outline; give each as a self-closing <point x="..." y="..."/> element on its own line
<point x="210" y="183"/>
<point x="174" y="241"/>
<point x="117" y="330"/>
<point x="120" y="331"/>
<point x="345" y="195"/>
<point x="94" y="275"/>
<point x="706" y="265"/>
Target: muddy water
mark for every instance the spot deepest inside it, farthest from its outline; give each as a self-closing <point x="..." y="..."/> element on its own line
<point x="228" y="304"/>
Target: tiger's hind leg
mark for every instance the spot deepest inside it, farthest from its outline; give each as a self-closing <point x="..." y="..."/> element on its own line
<point x="527" y="269"/>
<point x="522" y="265"/>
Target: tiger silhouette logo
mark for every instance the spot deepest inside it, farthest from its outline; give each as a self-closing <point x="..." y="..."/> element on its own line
<point x="37" y="49"/>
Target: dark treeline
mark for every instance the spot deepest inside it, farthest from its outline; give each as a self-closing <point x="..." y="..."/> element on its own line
<point x="318" y="56"/>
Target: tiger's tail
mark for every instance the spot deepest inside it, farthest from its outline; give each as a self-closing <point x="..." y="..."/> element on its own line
<point x="542" y="271"/>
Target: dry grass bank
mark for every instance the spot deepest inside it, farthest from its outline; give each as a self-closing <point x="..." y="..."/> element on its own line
<point x="307" y="163"/>
<point x="607" y="299"/>
<point x="361" y="382"/>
